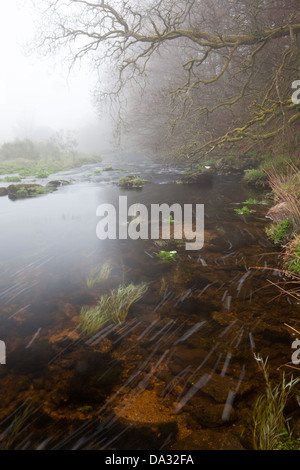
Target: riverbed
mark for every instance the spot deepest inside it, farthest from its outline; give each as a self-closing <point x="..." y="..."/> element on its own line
<point x="179" y="373"/>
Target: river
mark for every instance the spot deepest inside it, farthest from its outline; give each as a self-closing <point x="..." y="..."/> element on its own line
<point x="179" y="372"/>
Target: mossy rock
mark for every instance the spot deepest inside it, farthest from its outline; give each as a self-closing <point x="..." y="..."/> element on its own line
<point x="131" y="182"/>
<point x="23" y="191"/>
<point x="198" y="177"/>
<point x="57" y="183"/>
<point x="3" y="192"/>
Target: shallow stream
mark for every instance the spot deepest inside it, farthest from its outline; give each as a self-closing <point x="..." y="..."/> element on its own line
<point x="179" y="372"/>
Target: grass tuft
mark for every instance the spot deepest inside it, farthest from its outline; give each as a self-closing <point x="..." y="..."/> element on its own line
<point x="99" y="274"/>
<point x="270" y="426"/>
<point x="111" y="307"/>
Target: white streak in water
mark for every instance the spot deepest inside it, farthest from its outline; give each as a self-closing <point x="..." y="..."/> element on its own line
<point x="226" y="364"/>
<point x="228" y="302"/>
<point x="241" y="281"/>
<point x="19" y="311"/>
<point x="33" y="338"/>
<point x="251" y="341"/>
<point x="228" y="405"/>
<point x="191" y="331"/>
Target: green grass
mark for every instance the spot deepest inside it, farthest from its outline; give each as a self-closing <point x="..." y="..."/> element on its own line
<point x="131" y="182"/>
<point x="271" y="429"/>
<point x="279" y="164"/>
<point x="256" y="177"/>
<point x="99" y="274"/>
<point x="167" y="256"/>
<point x="111" y="307"/>
<point x="21" y="193"/>
<point x="243" y="211"/>
<point x="280" y="232"/>
<point x="42" y="174"/>
<point x="252" y="201"/>
<point x="43" y="168"/>
<point x="292" y="256"/>
<point x="12" y="179"/>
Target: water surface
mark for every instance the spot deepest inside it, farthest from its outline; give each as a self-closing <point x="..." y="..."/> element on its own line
<point x="179" y="373"/>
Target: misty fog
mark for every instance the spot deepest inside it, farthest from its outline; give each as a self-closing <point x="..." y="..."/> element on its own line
<point x="40" y="96"/>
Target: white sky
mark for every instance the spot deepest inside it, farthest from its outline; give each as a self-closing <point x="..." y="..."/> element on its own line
<point x="36" y="93"/>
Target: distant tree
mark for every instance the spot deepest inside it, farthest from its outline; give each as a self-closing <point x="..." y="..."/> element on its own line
<point x="64" y="142"/>
<point x="19" y="149"/>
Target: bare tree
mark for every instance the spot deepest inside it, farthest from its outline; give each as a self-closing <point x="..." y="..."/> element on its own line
<point x="238" y="60"/>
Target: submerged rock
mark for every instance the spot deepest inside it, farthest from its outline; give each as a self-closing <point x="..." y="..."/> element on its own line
<point x="207" y="439"/>
<point x="198" y="177"/>
<point x="212" y="415"/>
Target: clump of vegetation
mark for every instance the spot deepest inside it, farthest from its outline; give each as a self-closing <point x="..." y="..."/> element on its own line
<point x="131" y="182"/>
<point x="256" y="177"/>
<point x="280" y="233"/>
<point x="41" y="159"/>
<point x="167" y="256"/>
<point x="84" y="409"/>
<point x="107" y="168"/>
<point x="280" y="164"/>
<point x="21" y="194"/>
<point x="271" y="429"/>
<point x="12" y="179"/>
<point x="251" y="201"/>
<point x="22" y="191"/>
<point x="286" y="189"/>
<point x="243" y="211"/>
<point x="18" y="425"/>
<point x="99" y="274"/>
<point x="292" y="256"/>
<point x="42" y="174"/>
<point x="112" y="307"/>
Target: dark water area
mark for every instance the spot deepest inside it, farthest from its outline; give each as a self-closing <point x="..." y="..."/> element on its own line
<point x="179" y="373"/>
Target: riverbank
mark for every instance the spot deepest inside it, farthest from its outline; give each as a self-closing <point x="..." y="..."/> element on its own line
<point x="21" y="168"/>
